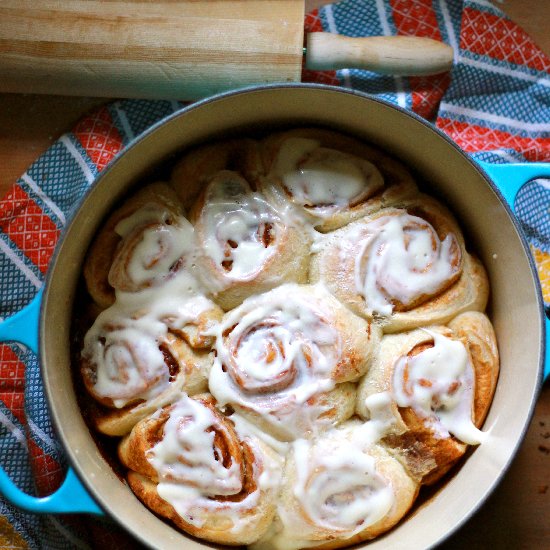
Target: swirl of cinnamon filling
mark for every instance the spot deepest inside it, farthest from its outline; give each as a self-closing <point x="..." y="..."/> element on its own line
<point x="150" y="253"/>
<point x="342" y="491"/>
<point x="200" y="449"/>
<point x="402" y="262"/>
<point x="287" y="351"/>
<point x="266" y="350"/>
<point x="190" y="465"/>
<point x="329" y="179"/>
<point x="153" y="204"/>
<point x="441" y="381"/>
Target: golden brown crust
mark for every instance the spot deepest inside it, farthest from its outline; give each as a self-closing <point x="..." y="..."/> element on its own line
<point x="476" y="329"/>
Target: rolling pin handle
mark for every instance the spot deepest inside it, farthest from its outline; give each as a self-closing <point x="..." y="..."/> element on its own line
<point x="396" y="55"/>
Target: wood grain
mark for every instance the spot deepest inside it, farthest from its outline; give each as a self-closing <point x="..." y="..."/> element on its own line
<point x="164" y="49"/>
<point x="517" y="514"/>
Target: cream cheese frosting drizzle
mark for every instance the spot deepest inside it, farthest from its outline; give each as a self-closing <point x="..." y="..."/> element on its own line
<point x="381" y="420"/>
<point x="438" y="384"/>
<point x="239" y="228"/>
<point x="274" y="353"/>
<point x="337" y="490"/>
<point x="402" y="259"/>
<point x="324" y="179"/>
<point x="200" y="459"/>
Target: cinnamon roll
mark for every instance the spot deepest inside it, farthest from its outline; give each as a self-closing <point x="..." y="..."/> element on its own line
<point x="139" y="356"/>
<point x="285" y="360"/>
<point x="150" y="253"/>
<point x="245" y="245"/>
<point x="188" y="464"/>
<point x="442" y="381"/>
<point x="200" y="164"/>
<point x="337" y="492"/>
<point x="330" y="179"/>
<point x="155" y="203"/>
<point x="402" y="268"/>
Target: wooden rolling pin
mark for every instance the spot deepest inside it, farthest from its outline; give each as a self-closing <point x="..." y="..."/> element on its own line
<point x="182" y="49"/>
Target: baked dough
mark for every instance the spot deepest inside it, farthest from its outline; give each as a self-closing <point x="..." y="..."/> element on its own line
<point x="437" y="404"/>
<point x="402" y="268"/>
<point x="290" y="341"/>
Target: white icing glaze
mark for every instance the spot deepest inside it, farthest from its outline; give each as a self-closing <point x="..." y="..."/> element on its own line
<point x="400" y="258"/>
<point x="338" y="489"/>
<point x="240" y="228"/>
<point x="324" y="179"/>
<point x="150" y="213"/>
<point x="279" y="353"/>
<point x="381" y="421"/>
<point x="438" y="384"/>
<point x="192" y="474"/>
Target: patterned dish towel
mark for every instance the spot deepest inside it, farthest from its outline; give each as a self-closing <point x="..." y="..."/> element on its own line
<point x="495" y="104"/>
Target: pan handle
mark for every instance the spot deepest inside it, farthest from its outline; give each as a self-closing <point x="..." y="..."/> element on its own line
<point x="71" y="497"/>
<point x="510" y="178"/>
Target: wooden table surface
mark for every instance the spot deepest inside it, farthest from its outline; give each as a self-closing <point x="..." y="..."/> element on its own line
<point x="518" y="513"/>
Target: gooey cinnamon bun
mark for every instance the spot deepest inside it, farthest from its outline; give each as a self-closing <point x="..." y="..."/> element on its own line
<point x="403" y="267"/>
<point x="189" y="464"/>
<point x="286" y="359"/>
<point x="154" y="205"/>
<point x="337" y="491"/>
<point x="442" y="381"/>
<point x="330" y="179"/>
<point x="245" y="245"/>
<point x="136" y="360"/>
